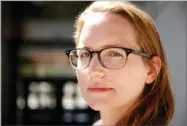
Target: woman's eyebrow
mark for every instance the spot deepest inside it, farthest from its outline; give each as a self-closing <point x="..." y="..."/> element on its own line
<point x="83" y="47"/>
<point x="112" y="45"/>
<point x="95" y="49"/>
<point x="102" y="47"/>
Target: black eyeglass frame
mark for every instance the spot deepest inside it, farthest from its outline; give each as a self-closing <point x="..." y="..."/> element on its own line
<point x="127" y="51"/>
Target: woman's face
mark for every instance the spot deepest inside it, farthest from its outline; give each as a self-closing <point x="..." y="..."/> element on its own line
<point x="110" y="88"/>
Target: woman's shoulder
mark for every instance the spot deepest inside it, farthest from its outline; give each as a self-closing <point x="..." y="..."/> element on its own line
<point x="98" y="123"/>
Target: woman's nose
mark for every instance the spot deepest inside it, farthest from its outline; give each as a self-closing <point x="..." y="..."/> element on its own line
<point x="95" y="68"/>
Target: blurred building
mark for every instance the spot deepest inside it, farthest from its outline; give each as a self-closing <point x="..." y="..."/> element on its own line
<point x="39" y="85"/>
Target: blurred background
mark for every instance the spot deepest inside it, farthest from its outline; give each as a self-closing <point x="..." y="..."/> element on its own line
<point x="39" y="87"/>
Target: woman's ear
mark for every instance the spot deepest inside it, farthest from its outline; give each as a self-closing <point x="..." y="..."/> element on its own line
<point x="153" y="70"/>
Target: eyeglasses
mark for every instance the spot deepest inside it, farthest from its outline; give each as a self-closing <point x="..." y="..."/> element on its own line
<point x="110" y="58"/>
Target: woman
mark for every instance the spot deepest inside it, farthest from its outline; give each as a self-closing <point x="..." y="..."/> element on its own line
<point x="121" y="65"/>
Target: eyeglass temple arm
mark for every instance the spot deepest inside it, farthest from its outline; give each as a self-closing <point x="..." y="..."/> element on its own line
<point x="68" y="52"/>
<point x="148" y="55"/>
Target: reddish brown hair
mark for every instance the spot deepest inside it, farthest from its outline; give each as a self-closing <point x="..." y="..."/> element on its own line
<point x="156" y="103"/>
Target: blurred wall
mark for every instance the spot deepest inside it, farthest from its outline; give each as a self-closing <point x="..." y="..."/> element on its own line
<point x="171" y="20"/>
<point x="172" y="25"/>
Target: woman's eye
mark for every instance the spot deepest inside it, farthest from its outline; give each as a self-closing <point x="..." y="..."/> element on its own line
<point x="84" y="55"/>
<point x="114" y="54"/>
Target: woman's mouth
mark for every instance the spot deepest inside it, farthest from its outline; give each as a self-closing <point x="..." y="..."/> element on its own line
<point x="99" y="89"/>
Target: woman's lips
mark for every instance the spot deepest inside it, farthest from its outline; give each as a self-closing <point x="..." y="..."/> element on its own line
<point x="99" y="89"/>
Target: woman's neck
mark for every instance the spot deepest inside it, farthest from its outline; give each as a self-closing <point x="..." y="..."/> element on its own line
<point x="110" y="117"/>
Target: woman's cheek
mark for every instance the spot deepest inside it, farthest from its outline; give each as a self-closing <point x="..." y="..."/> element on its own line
<point x="82" y="82"/>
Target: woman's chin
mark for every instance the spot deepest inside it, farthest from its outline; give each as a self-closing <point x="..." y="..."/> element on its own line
<point x="98" y="107"/>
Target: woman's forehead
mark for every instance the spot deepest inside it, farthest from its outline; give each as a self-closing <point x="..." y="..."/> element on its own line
<point x="107" y="30"/>
<point x="105" y="44"/>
